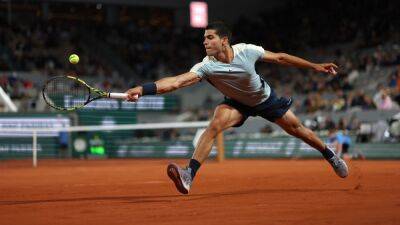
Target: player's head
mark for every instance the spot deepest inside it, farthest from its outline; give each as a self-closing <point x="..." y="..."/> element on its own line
<point x="216" y="38"/>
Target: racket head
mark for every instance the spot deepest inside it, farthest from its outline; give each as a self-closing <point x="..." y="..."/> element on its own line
<point x="66" y="93"/>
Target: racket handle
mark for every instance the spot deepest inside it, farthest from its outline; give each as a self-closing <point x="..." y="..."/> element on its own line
<point x="122" y="96"/>
<point x="118" y="95"/>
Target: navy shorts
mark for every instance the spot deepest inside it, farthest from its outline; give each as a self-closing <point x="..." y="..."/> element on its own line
<point x="273" y="108"/>
<point x="345" y="148"/>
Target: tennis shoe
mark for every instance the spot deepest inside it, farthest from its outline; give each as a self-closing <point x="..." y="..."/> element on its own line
<point x="181" y="177"/>
<point x="339" y="165"/>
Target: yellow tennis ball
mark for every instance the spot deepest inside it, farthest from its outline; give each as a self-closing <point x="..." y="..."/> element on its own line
<point x="74" y="58"/>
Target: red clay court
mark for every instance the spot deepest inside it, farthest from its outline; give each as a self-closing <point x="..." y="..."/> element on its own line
<point x="234" y="192"/>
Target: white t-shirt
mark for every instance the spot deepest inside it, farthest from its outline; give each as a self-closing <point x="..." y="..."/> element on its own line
<point x="237" y="80"/>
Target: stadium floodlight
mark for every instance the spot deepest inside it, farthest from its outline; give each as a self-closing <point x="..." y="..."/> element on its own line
<point x="198" y="14"/>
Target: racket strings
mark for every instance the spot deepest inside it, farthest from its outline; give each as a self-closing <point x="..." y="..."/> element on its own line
<point x="66" y="93"/>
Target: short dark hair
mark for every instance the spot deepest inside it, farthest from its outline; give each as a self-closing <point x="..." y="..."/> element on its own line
<point x="220" y="28"/>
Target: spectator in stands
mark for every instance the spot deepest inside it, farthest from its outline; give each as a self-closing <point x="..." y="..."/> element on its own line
<point x="362" y="101"/>
<point x="394" y="84"/>
<point x="329" y="123"/>
<point x="338" y="103"/>
<point x="354" y="123"/>
<point x="384" y="101"/>
<point x="378" y="95"/>
<point x="393" y="80"/>
<point x="267" y="129"/>
<point x="342" y="123"/>
<point x="398" y="77"/>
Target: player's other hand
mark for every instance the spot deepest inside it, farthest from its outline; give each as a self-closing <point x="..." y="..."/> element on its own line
<point x="134" y="94"/>
<point x="329" y="68"/>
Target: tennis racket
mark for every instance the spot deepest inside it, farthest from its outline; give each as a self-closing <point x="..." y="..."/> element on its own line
<point x="70" y="93"/>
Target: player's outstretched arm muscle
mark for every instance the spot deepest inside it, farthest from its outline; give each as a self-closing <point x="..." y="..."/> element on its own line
<point x="166" y="85"/>
<point x="290" y="60"/>
<point x="169" y="84"/>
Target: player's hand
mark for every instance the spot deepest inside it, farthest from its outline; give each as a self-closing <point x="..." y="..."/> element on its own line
<point x="329" y="68"/>
<point x="134" y="94"/>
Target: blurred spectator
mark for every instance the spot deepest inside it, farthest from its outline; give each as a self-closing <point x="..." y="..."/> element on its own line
<point x="342" y="124"/>
<point x="208" y="103"/>
<point x="394" y="84"/>
<point x="393" y="80"/>
<point x="361" y="100"/>
<point x="267" y="129"/>
<point x="339" y="102"/>
<point x="329" y="123"/>
<point x="383" y="101"/>
<point x="314" y="102"/>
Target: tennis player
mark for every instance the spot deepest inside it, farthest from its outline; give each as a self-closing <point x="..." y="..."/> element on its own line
<point x="231" y="70"/>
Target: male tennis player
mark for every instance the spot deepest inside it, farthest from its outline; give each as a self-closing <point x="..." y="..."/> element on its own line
<point x="231" y="69"/>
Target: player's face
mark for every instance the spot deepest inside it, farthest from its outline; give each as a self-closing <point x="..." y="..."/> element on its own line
<point x="212" y="42"/>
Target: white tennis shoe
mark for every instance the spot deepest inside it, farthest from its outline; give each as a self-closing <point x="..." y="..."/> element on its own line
<point x="339" y="165"/>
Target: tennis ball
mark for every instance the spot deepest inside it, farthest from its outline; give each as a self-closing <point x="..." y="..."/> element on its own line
<point x="74" y="58"/>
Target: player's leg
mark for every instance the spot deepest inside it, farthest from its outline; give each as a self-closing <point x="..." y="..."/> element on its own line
<point x="358" y="153"/>
<point x="292" y="125"/>
<point x="345" y="151"/>
<point x="224" y="117"/>
<point x="339" y="148"/>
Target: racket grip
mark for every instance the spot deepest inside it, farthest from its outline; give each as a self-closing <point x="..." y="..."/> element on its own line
<point x="118" y="95"/>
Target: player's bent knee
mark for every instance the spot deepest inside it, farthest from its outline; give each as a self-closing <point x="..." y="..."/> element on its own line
<point x="215" y="126"/>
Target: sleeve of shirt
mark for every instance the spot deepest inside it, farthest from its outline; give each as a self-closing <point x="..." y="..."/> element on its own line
<point x="340" y="138"/>
<point x="347" y="140"/>
<point x="200" y="69"/>
<point x="255" y="52"/>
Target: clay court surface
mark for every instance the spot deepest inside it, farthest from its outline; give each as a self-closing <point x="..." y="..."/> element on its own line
<point x="234" y="192"/>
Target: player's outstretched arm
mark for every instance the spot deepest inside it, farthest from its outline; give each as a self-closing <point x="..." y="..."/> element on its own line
<point x="290" y="60"/>
<point x="163" y="85"/>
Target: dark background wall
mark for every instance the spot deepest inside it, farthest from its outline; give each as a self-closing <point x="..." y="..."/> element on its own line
<point x="228" y="11"/>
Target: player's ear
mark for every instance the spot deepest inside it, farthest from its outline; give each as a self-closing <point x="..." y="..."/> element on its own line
<point x="225" y="41"/>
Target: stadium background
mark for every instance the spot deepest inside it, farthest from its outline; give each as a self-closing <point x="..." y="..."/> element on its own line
<point x="123" y="43"/>
<point x="129" y="43"/>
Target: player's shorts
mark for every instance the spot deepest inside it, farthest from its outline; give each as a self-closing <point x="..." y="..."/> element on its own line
<point x="345" y="148"/>
<point x="271" y="109"/>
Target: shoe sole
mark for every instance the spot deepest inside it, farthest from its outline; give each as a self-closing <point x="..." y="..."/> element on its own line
<point x="173" y="174"/>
